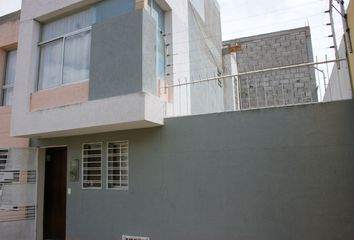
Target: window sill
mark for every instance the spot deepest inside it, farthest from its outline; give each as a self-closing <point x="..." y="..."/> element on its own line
<point x="5" y="109"/>
<point x="60" y="86"/>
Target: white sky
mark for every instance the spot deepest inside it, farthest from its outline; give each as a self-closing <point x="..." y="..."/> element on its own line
<point x="242" y="18"/>
<point x="7" y="6"/>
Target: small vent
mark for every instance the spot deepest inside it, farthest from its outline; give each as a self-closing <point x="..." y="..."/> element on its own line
<point x="134" y="238"/>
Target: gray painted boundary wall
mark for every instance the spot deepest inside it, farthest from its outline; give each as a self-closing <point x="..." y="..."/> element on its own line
<point x="123" y="56"/>
<point x="272" y="174"/>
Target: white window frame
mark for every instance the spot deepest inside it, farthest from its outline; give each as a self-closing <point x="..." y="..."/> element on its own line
<point x="82" y="166"/>
<point x="124" y="188"/>
<point x="4" y="88"/>
<point x="63" y="38"/>
<point x="8" y="86"/>
<point x="151" y="5"/>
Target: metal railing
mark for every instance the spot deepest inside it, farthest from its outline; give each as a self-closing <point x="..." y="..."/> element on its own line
<point x="296" y="84"/>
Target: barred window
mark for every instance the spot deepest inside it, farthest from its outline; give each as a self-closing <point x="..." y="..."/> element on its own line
<point x="3" y="158"/>
<point x="92" y="165"/>
<point x="117" y="165"/>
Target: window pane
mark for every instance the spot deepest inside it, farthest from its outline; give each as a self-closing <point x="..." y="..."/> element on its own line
<point x="7" y="96"/>
<point x="66" y="25"/>
<point x="10" y="67"/>
<point x="77" y="57"/>
<point x="158" y="14"/>
<point x="160" y="57"/>
<point x="50" y="65"/>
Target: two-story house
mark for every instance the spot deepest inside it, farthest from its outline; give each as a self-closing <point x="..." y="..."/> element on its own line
<point x="87" y="151"/>
<point x="94" y="67"/>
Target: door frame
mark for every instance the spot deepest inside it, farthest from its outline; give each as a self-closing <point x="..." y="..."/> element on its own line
<point x="40" y="186"/>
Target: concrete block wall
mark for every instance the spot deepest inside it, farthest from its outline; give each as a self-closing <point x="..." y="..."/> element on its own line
<point x="278" y="87"/>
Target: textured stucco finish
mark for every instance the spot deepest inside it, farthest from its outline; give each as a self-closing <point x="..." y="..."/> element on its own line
<point x="108" y="9"/>
<point x="127" y="45"/>
<point x="61" y="96"/>
<point x="274" y="174"/>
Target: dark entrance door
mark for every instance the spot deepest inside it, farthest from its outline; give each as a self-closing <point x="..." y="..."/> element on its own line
<point x="54" y="218"/>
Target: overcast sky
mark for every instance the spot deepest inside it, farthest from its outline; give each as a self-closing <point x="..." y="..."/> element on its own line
<point x="7" y="6"/>
<point x="242" y="18"/>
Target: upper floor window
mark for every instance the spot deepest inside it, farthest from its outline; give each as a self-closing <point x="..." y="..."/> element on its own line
<point x="8" y="85"/>
<point x="158" y="14"/>
<point x="65" y="51"/>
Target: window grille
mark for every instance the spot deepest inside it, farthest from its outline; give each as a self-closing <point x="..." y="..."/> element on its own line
<point x="10" y="161"/>
<point x="117" y="165"/>
<point x="92" y="165"/>
<point x="3" y="158"/>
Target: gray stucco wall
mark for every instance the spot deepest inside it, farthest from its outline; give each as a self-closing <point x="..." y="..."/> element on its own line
<point x="111" y="8"/>
<point x="123" y="56"/>
<point x="274" y="174"/>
